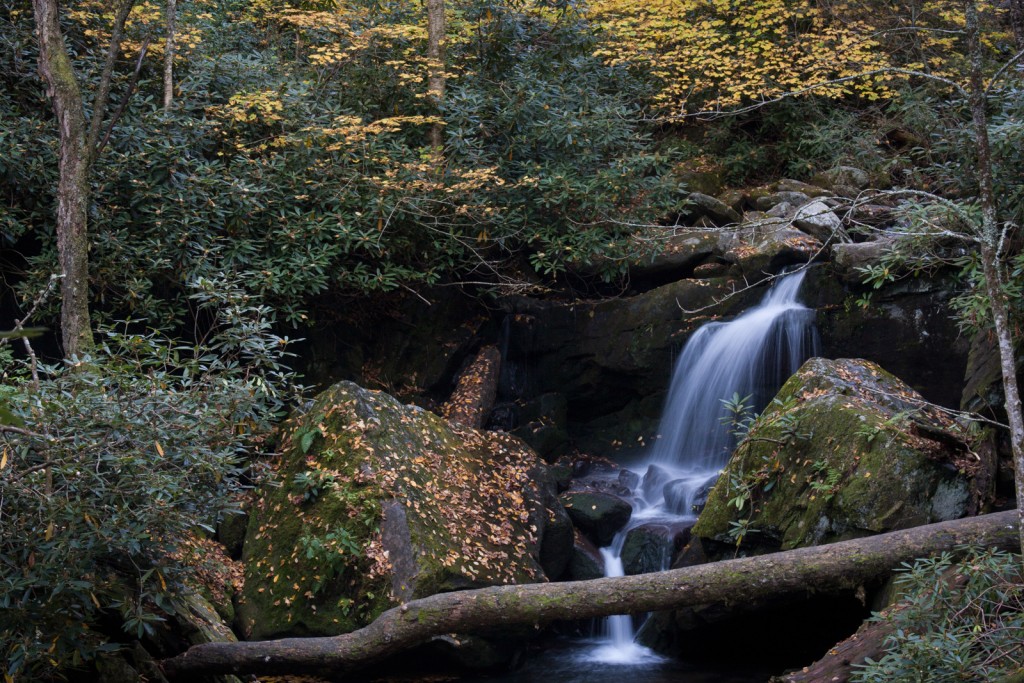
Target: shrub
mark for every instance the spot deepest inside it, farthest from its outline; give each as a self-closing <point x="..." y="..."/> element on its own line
<point x="958" y="621"/>
<point x="107" y="465"/>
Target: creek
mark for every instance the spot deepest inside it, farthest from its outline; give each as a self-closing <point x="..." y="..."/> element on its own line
<point x="749" y="357"/>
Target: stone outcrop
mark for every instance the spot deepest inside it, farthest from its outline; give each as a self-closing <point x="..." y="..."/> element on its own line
<point x="377" y="502"/>
<point x="845" y="450"/>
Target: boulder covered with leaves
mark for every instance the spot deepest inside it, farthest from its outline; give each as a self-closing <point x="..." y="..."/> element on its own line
<point x="845" y="450"/>
<point x="377" y="503"/>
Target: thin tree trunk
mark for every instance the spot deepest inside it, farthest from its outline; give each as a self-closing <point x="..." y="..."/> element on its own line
<point x="172" y="7"/>
<point x="79" y="142"/>
<point x="435" y="57"/>
<point x="73" y="187"/>
<point x="838" y="566"/>
<point x="991" y="251"/>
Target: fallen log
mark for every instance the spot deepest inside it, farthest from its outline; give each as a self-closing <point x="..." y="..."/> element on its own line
<point x="837" y="566"/>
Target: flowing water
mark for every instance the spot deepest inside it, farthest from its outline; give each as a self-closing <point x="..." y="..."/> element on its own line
<point x="750" y="357"/>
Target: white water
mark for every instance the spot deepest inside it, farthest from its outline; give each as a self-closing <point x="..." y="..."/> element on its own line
<point x="751" y="355"/>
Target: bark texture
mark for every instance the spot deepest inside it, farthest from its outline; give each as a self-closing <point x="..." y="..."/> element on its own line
<point x="79" y="142"/>
<point x="73" y="187"/>
<point x="833" y="567"/>
<point x="435" y="56"/>
<point x="992" y="240"/>
<point x="172" y="8"/>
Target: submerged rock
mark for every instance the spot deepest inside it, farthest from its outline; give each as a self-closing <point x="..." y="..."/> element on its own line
<point x="377" y="502"/>
<point x="845" y="450"/>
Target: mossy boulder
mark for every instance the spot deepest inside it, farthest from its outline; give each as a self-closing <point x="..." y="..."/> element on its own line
<point x="374" y="502"/>
<point x="845" y="450"/>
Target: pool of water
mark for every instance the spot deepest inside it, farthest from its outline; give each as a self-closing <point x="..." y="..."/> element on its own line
<point x="581" y="661"/>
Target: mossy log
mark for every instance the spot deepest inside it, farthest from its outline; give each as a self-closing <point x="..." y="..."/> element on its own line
<point x="838" y="566"/>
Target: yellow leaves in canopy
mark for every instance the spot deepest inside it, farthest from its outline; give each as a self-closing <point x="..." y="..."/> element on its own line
<point x="254" y="107"/>
<point x="721" y="53"/>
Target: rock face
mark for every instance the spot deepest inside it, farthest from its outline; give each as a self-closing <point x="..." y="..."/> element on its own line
<point x="379" y="502"/>
<point x="846" y="450"/>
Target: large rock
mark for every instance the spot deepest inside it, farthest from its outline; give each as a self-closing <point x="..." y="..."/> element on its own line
<point x="377" y="502"/>
<point x="846" y="450"/>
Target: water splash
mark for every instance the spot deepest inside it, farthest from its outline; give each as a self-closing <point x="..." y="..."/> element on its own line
<point x="751" y="355"/>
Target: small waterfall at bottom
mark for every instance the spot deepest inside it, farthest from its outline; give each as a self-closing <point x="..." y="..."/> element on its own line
<point x="617" y="642"/>
<point x="750" y="356"/>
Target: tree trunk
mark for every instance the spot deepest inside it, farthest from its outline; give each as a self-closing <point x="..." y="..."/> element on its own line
<point x="837" y="566"/>
<point x="992" y="242"/>
<point x="838" y="665"/>
<point x="73" y="187"/>
<point x="435" y="58"/>
<point x="172" y="7"/>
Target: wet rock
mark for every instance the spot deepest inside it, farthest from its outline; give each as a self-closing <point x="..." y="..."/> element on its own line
<point x="556" y="546"/>
<point x="586" y="562"/>
<point x="700" y="498"/>
<point x="629" y="479"/>
<point x="905" y="326"/>
<point x="650" y="547"/>
<point x="452" y="507"/>
<point x="876" y="462"/>
<point x="597" y="514"/>
<point x="676" y="493"/>
<point x="655" y="479"/>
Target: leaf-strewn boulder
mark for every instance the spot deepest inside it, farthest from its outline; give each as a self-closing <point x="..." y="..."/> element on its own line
<point x="845" y="450"/>
<point x="377" y="502"/>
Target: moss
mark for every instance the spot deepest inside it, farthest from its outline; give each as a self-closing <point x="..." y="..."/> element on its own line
<point x="315" y="556"/>
<point x="861" y="471"/>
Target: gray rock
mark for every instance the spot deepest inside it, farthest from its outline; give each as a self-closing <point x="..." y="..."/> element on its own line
<point x="556" y="546"/>
<point x="848" y="258"/>
<point x="783" y="210"/>
<point x="817" y="219"/>
<point x="843" y="175"/>
<point x="720" y="213"/>
<point x="655" y="479"/>
<point x="789" y="185"/>
<point x="768" y="201"/>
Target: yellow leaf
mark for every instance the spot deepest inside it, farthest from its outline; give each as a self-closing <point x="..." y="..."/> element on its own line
<point x="3" y="464"/>
<point x="49" y="531"/>
<point x="163" y="584"/>
<point x="159" y="449"/>
<point x="94" y="600"/>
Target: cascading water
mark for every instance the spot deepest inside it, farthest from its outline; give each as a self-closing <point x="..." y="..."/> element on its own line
<point x="751" y="355"/>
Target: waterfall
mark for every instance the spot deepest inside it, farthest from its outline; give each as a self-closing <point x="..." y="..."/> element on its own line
<point x="751" y="355"/>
